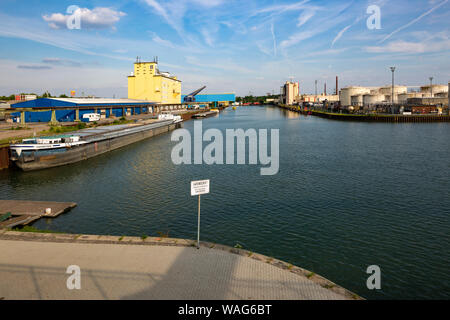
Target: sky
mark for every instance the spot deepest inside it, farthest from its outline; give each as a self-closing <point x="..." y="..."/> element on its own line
<point x="246" y="47"/>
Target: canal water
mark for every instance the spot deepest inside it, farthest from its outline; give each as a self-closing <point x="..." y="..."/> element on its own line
<point x="347" y="196"/>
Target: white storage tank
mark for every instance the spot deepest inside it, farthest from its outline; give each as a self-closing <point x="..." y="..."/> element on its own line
<point x="397" y="90"/>
<point x="357" y="100"/>
<point x="373" y="99"/>
<point x="345" y="95"/>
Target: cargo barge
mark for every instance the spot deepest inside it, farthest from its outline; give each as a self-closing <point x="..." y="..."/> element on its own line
<point x="47" y="152"/>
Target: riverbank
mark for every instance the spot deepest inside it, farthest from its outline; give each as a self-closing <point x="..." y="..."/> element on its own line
<point x="115" y="267"/>
<point x="369" y="117"/>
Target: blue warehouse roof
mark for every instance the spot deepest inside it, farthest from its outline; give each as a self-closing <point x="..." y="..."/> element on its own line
<point x="78" y="102"/>
<point x="214" y="97"/>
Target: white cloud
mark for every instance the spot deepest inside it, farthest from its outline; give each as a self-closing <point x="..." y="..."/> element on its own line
<point x="278" y="9"/>
<point x="97" y="18"/>
<point x="298" y="37"/>
<point x="340" y="34"/>
<point x="207" y="37"/>
<point x="305" y="16"/>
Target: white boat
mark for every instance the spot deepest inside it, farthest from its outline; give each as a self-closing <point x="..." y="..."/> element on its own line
<point x="45" y="143"/>
<point x="169" y="116"/>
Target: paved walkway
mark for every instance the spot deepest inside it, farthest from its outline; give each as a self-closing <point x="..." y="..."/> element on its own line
<point x="37" y="270"/>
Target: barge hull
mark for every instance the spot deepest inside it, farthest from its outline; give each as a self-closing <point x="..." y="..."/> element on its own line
<point x="90" y="150"/>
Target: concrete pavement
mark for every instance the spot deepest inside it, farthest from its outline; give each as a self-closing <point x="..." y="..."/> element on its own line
<point x="33" y="266"/>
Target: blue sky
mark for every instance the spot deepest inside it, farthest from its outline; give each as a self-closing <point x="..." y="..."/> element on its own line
<point x="229" y="46"/>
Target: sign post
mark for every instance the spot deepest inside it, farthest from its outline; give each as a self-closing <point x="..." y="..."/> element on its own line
<point x="198" y="188"/>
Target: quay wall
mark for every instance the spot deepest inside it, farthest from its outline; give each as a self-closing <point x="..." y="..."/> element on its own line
<point x="369" y="117"/>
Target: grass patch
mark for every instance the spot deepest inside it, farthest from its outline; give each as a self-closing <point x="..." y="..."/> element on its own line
<point x="63" y="129"/>
<point x="238" y="246"/>
<point x="250" y="254"/>
<point x="309" y="275"/>
<point x="144" y="237"/>
<point x="32" y="229"/>
<point x="121" y="238"/>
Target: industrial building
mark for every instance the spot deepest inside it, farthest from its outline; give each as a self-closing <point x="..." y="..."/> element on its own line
<point x="219" y="99"/>
<point x="73" y="109"/>
<point x="290" y="92"/>
<point x="148" y="83"/>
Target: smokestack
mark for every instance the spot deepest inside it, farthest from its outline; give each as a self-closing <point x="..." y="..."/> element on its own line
<point x="337" y="85"/>
<point x="325" y="89"/>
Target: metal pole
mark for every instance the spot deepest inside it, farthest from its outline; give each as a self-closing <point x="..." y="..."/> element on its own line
<point x="392" y="95"/>
<point x="198" y="232"/>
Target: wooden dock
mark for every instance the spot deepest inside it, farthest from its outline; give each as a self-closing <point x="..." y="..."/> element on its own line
<point x="25" y="212"/>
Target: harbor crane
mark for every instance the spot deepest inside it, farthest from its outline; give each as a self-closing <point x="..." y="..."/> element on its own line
<point x="191" y="97"/>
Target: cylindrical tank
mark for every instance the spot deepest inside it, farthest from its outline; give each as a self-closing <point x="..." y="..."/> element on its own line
<point x="357" y="100"/>
<point x="397" y="90"/>
<point x="372" y="99"/>
<point x="345" y="95"/>
<point x="437" y="88"/>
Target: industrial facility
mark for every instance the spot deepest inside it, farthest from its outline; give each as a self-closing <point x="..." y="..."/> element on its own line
<point x="290" y="92"/>
<point x="430" y="98"/>
<point x="149" y="91"/>
<point x="148" y="83"/>
<point x="370" y="97"/>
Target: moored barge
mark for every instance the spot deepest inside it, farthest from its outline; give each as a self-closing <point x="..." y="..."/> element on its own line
<point x="46" y="152"/>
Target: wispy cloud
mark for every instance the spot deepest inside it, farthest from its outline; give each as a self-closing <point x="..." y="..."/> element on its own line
<point x="61" y="62"/>
<point x="272" y="30"/>
<point x="305" y="16"/>
<point x="33" y="67"/>
<point x="411" y="47"/>
<point x="414" y="21"/>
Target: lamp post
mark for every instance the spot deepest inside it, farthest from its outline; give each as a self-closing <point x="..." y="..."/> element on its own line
<point x="431" y="86"/>
<point x="392" y="96"/>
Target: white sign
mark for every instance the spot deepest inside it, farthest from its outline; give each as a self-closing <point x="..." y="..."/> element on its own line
<point x="199" y="187"/>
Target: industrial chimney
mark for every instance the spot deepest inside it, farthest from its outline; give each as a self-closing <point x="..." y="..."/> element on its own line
<point x="337" y="85"/>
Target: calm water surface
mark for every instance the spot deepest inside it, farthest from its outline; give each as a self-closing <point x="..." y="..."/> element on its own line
<point x="348" y="195"/>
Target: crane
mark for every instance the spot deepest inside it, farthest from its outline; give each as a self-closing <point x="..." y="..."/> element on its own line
<point x="191" y="97"/>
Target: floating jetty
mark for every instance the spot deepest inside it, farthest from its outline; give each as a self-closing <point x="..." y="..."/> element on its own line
<point x="205" y="114"/>
<point x="19" y="212"/>
<point x="47" y="152"/>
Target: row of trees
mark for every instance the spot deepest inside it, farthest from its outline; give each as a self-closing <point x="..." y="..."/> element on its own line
<point x="253" y="99"/>
<point x="44" y="95"/>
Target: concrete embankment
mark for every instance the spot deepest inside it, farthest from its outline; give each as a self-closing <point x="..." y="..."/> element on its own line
<point x="33" y="266"/>
<point x="369" y="117"/>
